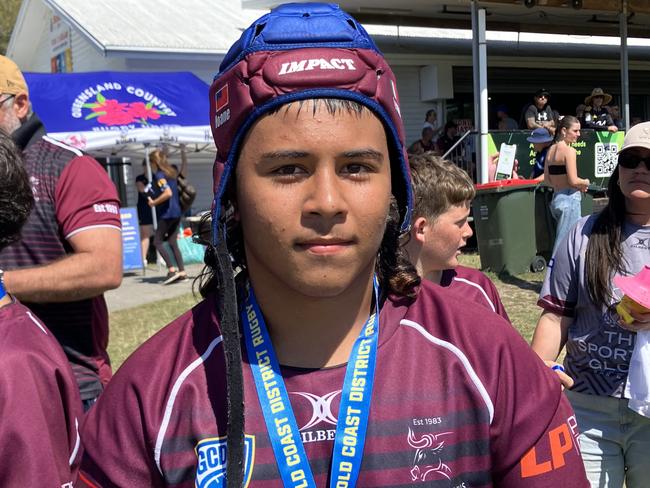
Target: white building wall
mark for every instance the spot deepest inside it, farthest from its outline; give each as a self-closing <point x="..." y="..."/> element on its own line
<point x="204" y="69"/>
<point x="87" y="57"/>
<point x="40" y="62"/>
<point x="413" y="110"/>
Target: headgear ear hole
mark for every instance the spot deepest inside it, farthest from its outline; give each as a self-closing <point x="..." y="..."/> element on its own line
<point x="259" y="28"/>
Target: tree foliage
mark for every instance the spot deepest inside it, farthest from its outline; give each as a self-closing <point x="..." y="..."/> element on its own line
<point x="8" y="13"/>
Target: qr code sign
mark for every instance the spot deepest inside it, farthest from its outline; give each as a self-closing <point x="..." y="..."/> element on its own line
<point x="605" y="159"/>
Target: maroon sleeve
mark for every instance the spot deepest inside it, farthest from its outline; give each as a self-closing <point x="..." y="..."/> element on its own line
<point x="534" y="432"/>
<point x="85" y="197"/>
<point x="40" y="411"/>
<point x="118" y="445"/>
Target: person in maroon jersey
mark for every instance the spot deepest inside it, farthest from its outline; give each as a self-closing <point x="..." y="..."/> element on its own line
<point x="440" y="229"/>
<point x="39" y="402"/>
<point x="71" y="248"/>
<point x="349" y="369"/>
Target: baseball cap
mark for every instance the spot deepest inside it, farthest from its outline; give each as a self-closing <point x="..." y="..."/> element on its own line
<point x="298" y="52"/>
<point x="637" y="136"/>
<point x="539" y="135"/>
<point x="12" y="81"/>
<point x="542" y="91"/>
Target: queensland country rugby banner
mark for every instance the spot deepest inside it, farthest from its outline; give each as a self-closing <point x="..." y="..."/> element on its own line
<point x="104" y="109"/>
<point x="597" y="152"/>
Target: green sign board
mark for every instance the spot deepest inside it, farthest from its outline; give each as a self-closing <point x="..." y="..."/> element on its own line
<point x="596" y="152"/>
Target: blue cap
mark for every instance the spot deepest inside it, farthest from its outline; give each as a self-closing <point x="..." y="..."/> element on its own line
<point x="539" y="136"/>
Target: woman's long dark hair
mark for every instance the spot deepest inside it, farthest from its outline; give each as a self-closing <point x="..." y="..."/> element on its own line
<point x="604" y="255"/>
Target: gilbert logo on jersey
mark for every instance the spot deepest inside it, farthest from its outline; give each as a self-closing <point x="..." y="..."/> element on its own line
<point x="211" y="466"/>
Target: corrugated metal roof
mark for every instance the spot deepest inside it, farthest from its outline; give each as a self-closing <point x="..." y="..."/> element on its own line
<point x="186" y="26"/>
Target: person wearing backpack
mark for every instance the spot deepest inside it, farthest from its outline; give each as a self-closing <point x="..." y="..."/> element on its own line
<point x="168" y="212"/>
<point x="186" y="191"/>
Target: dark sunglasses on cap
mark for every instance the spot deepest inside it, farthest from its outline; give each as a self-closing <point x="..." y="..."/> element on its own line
<point x="630" y="160"/>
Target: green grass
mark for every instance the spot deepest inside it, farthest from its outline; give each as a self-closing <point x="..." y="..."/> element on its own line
<point x="130" y="328"/>
<point x="518" y="293"/>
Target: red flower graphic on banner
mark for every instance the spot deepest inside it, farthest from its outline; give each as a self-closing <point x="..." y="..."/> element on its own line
<point x="115" y="118"/>
<point x="108" y="106"/>
<point x="141" y="111"/>
<point x="112" y="112"/>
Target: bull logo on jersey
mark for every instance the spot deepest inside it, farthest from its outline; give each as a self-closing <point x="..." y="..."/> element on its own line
<point x="427" y="462"/>
<point x="211" y="467"/>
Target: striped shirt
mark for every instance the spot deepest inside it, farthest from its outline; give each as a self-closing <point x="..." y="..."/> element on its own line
<point x="72" y="193"/>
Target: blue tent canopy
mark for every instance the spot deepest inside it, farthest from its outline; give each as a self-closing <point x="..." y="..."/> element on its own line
<point x="122" y="112"/>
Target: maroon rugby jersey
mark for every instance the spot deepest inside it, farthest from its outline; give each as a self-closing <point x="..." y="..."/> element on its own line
<point x="459" y="400"/>
<point x="40" y="407"/>
<point x="72" y="193"/>
<point x="473" y="285"/>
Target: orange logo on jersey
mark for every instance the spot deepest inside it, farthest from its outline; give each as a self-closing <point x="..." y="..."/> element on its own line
<point x="561" y="440"/>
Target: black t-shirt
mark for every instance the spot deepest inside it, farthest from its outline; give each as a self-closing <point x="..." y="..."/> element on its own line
<point x="597" y="119"/>
<point x="540" y="116"/>
<point x="144" y="211"/>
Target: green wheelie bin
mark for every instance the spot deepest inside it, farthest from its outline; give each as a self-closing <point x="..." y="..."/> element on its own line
<point x="515" y="231"/>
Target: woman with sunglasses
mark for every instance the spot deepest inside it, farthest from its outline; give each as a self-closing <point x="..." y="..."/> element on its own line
<point x="578" y="299"/>
<point x="561" y="172"/>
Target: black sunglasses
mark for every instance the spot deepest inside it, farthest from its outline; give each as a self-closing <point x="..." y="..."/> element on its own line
<point x="631" y="161"/>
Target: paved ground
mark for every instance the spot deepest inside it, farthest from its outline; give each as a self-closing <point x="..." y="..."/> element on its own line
<point x="138" y="288"/>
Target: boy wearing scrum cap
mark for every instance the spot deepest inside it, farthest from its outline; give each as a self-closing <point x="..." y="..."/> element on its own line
<point x="349" y="371"/>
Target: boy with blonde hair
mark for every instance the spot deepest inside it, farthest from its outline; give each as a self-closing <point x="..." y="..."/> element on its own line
<point x="440" y="229"/>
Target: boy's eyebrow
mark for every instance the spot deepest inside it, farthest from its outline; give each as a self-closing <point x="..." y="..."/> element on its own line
<point x="365" y="154"/>
<point x="273" y="155"/>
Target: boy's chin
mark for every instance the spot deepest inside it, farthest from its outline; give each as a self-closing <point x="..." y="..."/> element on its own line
<point x="323" y="287"/>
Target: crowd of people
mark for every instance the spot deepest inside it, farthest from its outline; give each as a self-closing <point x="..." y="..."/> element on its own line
<point x="339" y="340"/>
<point x="595" y="113"/>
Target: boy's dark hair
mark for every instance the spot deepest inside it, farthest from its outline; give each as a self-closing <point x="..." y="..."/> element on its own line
<point x="16" y="197"/>
<point x="395" y="272"/>
<point x="438" y="185"/>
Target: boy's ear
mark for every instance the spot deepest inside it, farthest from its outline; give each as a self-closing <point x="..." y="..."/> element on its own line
<point x="418" y="229"/>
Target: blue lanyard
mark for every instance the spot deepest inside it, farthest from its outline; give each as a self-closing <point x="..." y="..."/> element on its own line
<point x="280" y="421"/>
<point x="3" y="292"/>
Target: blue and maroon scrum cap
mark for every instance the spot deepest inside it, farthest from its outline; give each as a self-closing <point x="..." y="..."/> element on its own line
<point x="297" y="52"/>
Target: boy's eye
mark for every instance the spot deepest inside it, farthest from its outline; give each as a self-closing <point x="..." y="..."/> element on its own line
<point x="355" y="169"/>
<point x="288" y="170"/>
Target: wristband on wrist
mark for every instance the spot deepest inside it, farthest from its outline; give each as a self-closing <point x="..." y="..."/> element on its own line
<point x="3" y="292"/>
<point x="558" y="367"/>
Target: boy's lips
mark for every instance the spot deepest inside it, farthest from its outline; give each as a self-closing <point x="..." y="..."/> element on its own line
<point x="325" y="245"/>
